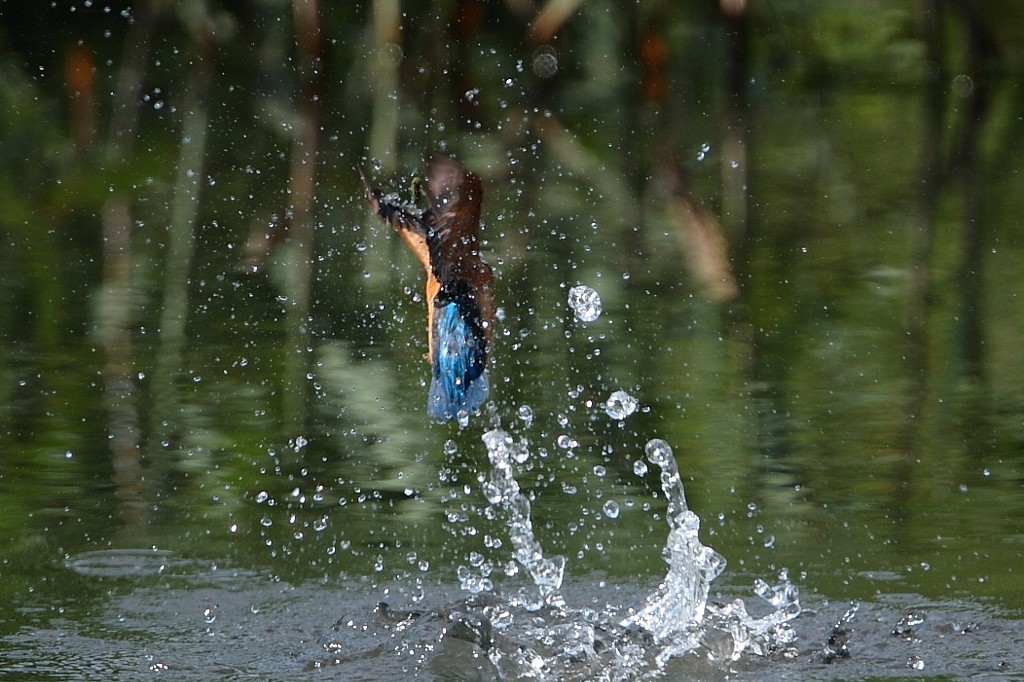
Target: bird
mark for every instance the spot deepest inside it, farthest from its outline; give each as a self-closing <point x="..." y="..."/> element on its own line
<point x="445" y="238"/>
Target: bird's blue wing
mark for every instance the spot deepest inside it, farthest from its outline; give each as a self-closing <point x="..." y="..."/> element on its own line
<point x="459" y="380"/>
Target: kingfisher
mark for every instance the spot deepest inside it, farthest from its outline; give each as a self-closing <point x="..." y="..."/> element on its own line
<point x="445" y="237"/>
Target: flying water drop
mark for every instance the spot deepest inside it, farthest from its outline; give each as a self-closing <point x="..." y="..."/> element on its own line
<point x="585" y="303"/>
<point x="620" y="405"/>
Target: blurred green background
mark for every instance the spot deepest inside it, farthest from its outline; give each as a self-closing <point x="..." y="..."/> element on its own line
<point x="803" y="220"/>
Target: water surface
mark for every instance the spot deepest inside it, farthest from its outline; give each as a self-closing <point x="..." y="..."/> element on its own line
<point x="208" y="467"/>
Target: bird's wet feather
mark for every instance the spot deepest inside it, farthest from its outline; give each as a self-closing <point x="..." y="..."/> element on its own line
<point x="459" y="287"/>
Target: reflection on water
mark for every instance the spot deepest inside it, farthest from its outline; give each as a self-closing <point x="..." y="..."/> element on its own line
<point x="783" y="238"/>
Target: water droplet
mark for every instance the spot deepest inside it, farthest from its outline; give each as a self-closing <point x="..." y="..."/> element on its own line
<point x="545" y="62"/>
<point x="611" y="509"/>
<point x="658" y="451"/>
<point x="585" y="303"/>
<point x="525" y="412"/>
<point x="520" y="452"/>
<point x="963" y="86"/>
<point x="620" y="405"/>
<point x="566" y="442"/>
<point x="640" y="467"/>
<point x="492" y="493"/>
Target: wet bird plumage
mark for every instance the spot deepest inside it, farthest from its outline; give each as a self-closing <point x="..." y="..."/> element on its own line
<point x="444" y="236"/>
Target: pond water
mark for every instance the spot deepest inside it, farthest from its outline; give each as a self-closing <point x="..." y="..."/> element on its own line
<point x="215" y="461"/>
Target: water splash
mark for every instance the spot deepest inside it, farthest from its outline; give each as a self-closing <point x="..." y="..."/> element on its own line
<point x="677" y="607"/>
<point x="678" y="613"/>
<point x="534" y="634"/>
<point x="502" y="490"/>
<point x="552" y="641"/>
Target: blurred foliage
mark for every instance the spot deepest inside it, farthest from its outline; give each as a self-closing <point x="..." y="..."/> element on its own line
<point x="797" y="124"/>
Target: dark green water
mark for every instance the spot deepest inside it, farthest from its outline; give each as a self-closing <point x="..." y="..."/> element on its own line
<point x="212" y="491"/>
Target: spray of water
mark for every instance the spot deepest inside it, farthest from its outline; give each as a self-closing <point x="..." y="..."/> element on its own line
<point x="534" y="634"/>
<point x="676" y="609"/>
<point x="557" y="642"/>
<point x="502" y="490"/>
